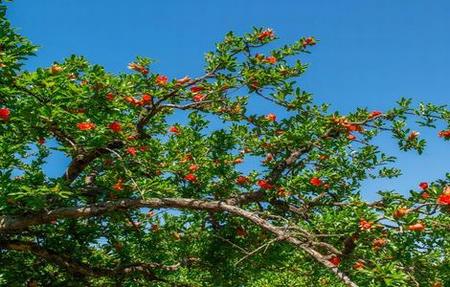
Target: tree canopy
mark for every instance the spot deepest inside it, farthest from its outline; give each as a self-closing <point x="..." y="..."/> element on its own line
<point x="155" y="193"/>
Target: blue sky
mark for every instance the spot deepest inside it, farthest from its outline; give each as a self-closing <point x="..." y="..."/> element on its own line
<point x="371" y="53"/>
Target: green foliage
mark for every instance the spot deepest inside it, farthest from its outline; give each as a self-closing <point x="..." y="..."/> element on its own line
<point x="134" y="208"/>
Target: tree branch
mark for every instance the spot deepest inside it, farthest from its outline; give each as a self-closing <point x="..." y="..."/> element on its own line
<point x="8" y="223"/>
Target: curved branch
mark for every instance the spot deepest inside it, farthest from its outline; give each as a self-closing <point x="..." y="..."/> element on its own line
<point x="11" y="224"/>
<point x="81" y="161"/>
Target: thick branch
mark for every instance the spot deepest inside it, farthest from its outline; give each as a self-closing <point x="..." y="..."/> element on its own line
<point x="79" y="163"/>
<point x="8" y="223"/>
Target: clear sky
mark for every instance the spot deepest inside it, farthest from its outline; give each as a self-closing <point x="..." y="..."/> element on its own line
<point x="371" y="53"/>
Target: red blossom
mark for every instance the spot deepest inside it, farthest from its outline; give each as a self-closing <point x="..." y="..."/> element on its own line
<point x="444" y="197"/>
<point x="118" y="186"/>
<point x="190" y="177"/>
<point x="109" y="96"/>
<point x="358" y="265"/>
<point x="264" y="184"/>
<point x="175" y="130"/>
<point x="196" y="89"/>
<point x="374" y="114"/>
<point x="271" y="117"/>
<point x="377" y="243"/>
<point x="55" y="69"/>
<point x="41" y="141"/>
<point x="271" y="60"/>
<point x="198" y="97"/>
<point x="445" y="134"/>
<point x="115" y="126"/>
<point x="315" y="181"/>
<point x="413" y="135"/>
<point x="161" y="80"/>
<point x="401" y="212"/>
<point x="4" y="113"/>
<point x="423" y="185"/>
<point x="268" y="33"/>
<point x="193" y="167"/>
<point x="241" y="180"/>
<point x="132" y="151"/>
<point x="310" y="41"/>
<point x="85" y="126"/>
<point x="351" y="137"/>
<point x="146" y="99"/>
<point x="416" y="227"/>
<point x="425" y="195"/>
<point x="364" y="224"/>
<point x="335" y="260"/>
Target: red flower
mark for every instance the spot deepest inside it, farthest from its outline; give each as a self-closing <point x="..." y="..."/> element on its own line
<point x="85" y="126"/>
<point x="358" y="265"/>
<point x="198" y="97"/>
<point x="444" y="198"/>
<point x="413" y="135"/>
<point x="109" y="96"/>
<point x="191" y="177"/>
<point x="399" y="213"/>
<point x="310" y="41"/>
<point x="266" y="34"/>
<point x="193" y="167"/>
<point x="115" y="127"/>
<point x="335" y="260"/>
<point x="271" y="117"/>
<point x="196" y="89"/>
<point x="425" y="195"/>
<point x="4" y="113"/>
<point x="146" y="99"/>
<point x="161" y="80"/>
<point x="351" y="137"/>
<point x="445" y="134"/>
<point x="175" y="130"/>
<point x="238" y="160"/>
<point x="55" y="69"/>
<point x="315" y="181"/>
<point x="423" y="185"/>
<point x="364" y="224"/>
<point x="118" y="186"/>
<point x="41" y="141"/>
<point x="241" y="180"/>
<point x="264" y="184"/>
<point x="353" y="128"/>
<point x="416" y="227"/>
<point x="132" y="151"/>
<point x="374" y="114"/>
<point x="271" y="60"/>
<point x="377" y="243"/>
